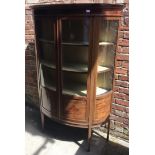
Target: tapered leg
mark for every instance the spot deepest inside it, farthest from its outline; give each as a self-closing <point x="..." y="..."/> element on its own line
<point x="89" y="138"/>
<point x="108" y="130"/>
<point x="42" y="120"/>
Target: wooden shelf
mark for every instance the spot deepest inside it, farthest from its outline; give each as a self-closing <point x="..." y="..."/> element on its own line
<point x="49" y="86"/>
<point x="100" y="91"/>
<point x="80" y="68"/>
<point x="73" y="92"/>
<point x="75" y="68"/>
<point x="73" y="88"/>
<point x="46" y="41"/>
<point x="101" y="69"/>
<point x="75" y="43"/>
<point x="105" y="43"/>
<point x="77" y="91"/>
<point x="81" y="91"/>
<point x="47" y="64"/>
<point x="85" y="43"/>
<point x="47" y="83"/>
<point x="67" y="67"/>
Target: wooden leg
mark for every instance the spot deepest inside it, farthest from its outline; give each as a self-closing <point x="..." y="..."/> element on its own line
<point x="42" y="120"/>
<point x="108" y="130"/>
<point x="89" y="138"/>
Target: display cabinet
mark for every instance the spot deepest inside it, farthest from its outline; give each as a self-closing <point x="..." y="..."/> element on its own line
<point x="75" y="56"/>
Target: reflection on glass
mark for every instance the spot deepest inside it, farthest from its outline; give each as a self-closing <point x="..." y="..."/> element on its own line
<point x="75" y="38"/>
<point x="108" y="31"/>
<point x="106" y="53"/>
<point x="75" y="43"/>
<point x="75" y="57"/>
<point x="104" y="80"/>
<point x="47" y="52"/>
<point x="75" y="30"/>
<point x="48" y="77"/>
<point x="106" y="56"/>
<point x="46" y="29"/>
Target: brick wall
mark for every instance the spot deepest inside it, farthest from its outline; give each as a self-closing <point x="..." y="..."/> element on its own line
<point x="31" y="93"/>
<point x="120" y="107"/>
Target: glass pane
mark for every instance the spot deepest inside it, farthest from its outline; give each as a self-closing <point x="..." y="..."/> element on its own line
<point x="75" y="57"/>
<point x="106" y="54"/>
<point x="45" y="28"/>
<point x="75" y="47"/>
<point x="75" y="30"/>
<point x="47" y="51"/>
<point x="104" y="80"/>
<point x="74" y="83"/>
<point x="48" y="77"/>
<point x="108" y="31"/>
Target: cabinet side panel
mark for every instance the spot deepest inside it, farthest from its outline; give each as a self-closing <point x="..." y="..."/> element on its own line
<point x="102" y="108"/>
<point x="49" y="101"/>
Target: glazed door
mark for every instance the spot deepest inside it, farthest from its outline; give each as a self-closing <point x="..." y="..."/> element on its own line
<point x="75" y="44"/>
<point x="46" y="28"/>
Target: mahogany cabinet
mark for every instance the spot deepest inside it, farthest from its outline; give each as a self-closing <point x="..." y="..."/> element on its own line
<point x="75" y="55"/>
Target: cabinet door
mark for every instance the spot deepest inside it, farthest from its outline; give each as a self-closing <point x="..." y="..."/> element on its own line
<point x="75" y="52"/>
<point x="46" y="38"/>
<point x="75" y="44"/>
<point x="47" y="50"/>
<point x="46" y="34"/>
<point x="106" y="55"/>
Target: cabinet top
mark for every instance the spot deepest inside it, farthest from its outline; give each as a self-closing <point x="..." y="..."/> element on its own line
<point x="79" y="5"/>
<point x="86" y="9"/>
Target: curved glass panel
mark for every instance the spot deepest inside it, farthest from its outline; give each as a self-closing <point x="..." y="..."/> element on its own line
<point x="106" y="54"/>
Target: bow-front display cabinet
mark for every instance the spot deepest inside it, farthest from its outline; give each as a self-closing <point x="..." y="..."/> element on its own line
<point x="75" y="57"/>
